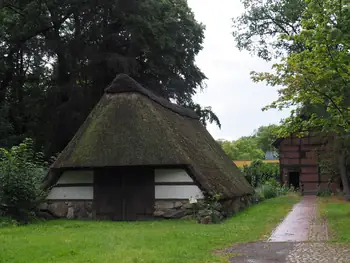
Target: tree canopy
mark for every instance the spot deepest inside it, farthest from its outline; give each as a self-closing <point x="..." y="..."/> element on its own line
<point x="259" y="28"/>
<point x="58" y="56"/>
<point x="316" y="80"/>
<point x="251" y="147"/>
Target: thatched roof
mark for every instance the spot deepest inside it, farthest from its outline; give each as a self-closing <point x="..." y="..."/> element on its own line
<point x="131" y="126"/>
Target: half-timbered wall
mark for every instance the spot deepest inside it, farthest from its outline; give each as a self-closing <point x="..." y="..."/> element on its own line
<point x="300" y="155"/>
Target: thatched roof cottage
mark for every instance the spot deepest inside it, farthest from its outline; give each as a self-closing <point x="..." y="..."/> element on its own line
<point x="136" y="156"/>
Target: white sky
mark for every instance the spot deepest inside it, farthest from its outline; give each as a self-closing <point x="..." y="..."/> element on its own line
<point x="233" y="96"/>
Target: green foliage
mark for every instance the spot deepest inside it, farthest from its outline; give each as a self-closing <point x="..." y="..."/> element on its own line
<point x="258" y="172"/>
<point x="319" y="75"/>
<point x="58" y="57"/>
<point x="268" y="191"/>
<point x="316" y="79"/>
<point x="251" y="147"/>
<point x="265" y="136"/>
<point x="245" y="148"/>
<point x="259" y="28"/>
<point x="324" y="192"/>
<point x="271" y="189"/>
<point x="21" y="174"/>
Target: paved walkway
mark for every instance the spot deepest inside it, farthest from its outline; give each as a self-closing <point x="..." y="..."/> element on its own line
<point x="296" y="226"/>
<point x="300" y="238"/>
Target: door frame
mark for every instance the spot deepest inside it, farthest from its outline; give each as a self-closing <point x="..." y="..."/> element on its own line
<point x="127" y="196"/>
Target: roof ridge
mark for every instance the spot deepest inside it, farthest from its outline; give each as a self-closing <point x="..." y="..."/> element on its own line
<point x="123" y="83"/>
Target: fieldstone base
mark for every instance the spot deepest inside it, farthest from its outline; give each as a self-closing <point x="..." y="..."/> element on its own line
<point x="233" y="206"/>
<point x="172" y="209"/>
<point x="69" y="209"/>
<point x="183" y="209"/>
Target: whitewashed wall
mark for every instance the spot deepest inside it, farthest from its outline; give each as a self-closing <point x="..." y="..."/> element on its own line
<point x="166" y="186"/>
<point x="172" y="190"/>
<point x="171" y="176"/>
<point x="71" y="192"/>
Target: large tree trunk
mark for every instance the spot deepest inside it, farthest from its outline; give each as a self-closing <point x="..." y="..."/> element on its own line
<point x="343" y="174"/>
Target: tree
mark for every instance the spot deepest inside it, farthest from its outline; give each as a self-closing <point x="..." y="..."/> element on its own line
<point x="318" y="78"/>
<point x="251" y="147"/>
<point x="245" y="148"/>
<point x="259" y="27"/>
<point x="265" y="137"/>
<point x="58" y="56"/>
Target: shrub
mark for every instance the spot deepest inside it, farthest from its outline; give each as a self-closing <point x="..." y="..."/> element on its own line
<point x="271" y="189"/>
<point x="258" y="172"/>
<point x="21" y="173"/>
<point x="324" y="192"/>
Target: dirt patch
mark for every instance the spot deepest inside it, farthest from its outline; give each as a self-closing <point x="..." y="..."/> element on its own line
<point x="260" y="252"/>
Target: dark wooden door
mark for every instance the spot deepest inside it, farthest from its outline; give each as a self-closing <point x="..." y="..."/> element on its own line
<point x="108" y="195"/>
<point x="124" y="193"/>
<point x="139" y="195"/>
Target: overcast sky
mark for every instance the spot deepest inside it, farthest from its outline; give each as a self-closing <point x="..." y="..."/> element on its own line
<point x="230" y="92"/>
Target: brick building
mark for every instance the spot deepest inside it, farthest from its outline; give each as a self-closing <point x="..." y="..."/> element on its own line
<point x="299" y="164"/>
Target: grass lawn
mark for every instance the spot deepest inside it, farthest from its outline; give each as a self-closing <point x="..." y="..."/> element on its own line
<point x="122" y="242"/>
<point x="337" y="212"/>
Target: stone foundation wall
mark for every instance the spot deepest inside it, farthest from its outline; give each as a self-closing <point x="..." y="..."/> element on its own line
<point x="167" y="209"/>
<point x="69" y="209"/>
<point x="234" y="206"/>
<point x="183" y="209"/>
<point x="172" y="209"/>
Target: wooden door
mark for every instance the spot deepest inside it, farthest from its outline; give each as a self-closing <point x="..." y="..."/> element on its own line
<point x="108" y="195"/>
<point x="124" y="194"/>
<point x="139" y="194"/>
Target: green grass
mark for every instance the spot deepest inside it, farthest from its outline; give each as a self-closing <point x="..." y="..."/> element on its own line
<point x="122" y="242"/>
<point x="337" y="213"/>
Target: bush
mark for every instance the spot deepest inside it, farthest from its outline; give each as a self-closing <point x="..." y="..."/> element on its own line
<point x="21" y="174"/>
<point x="324" y="192"/>
<point x="258" y="172"/>
<point x="271" y="189"/>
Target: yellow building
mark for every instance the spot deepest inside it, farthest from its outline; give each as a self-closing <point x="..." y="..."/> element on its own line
<point x="242" y="163"/>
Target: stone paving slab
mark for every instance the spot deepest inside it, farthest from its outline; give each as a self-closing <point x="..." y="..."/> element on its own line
<point x="289" y="252"/>
<point x="296" y="226"/>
